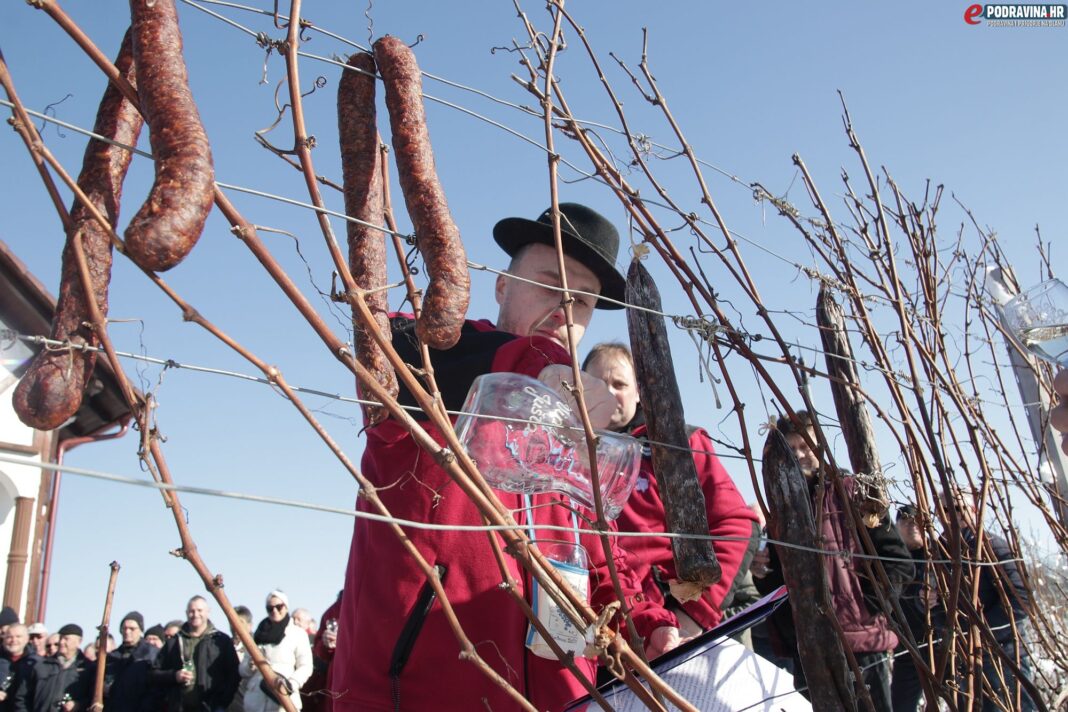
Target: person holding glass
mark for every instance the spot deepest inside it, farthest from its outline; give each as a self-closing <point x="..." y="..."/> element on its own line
<point x="1058" y="416"/>
<point x="729" y="516"/>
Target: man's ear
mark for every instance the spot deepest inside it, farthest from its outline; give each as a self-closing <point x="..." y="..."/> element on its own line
<point x="498" y="289"/>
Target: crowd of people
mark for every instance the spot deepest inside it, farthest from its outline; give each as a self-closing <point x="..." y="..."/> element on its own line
<point x="390" y="643"/>
<point x="176" y="666"/>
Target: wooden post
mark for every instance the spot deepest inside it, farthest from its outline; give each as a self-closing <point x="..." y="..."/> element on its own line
<point x="102" y="641"/>
<point x="818" y="645"/>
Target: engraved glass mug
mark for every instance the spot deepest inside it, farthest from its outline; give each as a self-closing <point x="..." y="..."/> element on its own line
<point x="526" y="439"/>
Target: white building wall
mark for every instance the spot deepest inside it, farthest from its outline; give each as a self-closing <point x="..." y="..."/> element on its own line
<point x="16" y="480"/>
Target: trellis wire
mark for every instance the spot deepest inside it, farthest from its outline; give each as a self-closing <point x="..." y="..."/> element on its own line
<point x="413" y="524"/>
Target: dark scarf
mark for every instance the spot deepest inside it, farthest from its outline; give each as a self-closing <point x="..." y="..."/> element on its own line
<point x="270" y="633"/>
<point x="636" y="422"/>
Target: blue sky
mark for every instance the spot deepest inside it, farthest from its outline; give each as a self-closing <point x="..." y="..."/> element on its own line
<point x="977" y="108"/>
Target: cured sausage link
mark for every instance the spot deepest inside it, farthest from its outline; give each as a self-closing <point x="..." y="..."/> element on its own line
<point x="169" y="223"/>
<point x="684" y="502"/>
<point x="437" y="237"/>
<point x="51" y="390"/>
<point x="361" y="171"/>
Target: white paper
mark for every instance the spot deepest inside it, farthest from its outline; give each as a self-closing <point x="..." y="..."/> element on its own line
<point x="725" y="678"/>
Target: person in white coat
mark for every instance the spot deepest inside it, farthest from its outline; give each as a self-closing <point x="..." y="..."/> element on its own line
<point x="288" y="652"/>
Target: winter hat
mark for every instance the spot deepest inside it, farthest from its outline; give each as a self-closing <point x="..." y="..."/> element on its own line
<point x="907" y="511"/>
<point x="156" y="630"/>
<point x="136" y="618"/>
<point x="8" y="616"/>
<point x="70" y="629"/>
<point x="280" y="595"/>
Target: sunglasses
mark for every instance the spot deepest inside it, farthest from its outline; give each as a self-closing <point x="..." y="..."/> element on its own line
<point x="276" y="607"/>
<point x="35" y="635"/>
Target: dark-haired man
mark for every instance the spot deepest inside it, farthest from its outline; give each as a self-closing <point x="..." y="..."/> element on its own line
<point x="997" y="585"/>
<point x="383" y="659"/>
<point x="864" y="626"/>
<point x="128" y="666"/>
<point x="918" y="603"/>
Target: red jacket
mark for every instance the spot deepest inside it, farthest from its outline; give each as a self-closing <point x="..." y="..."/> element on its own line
<point x="315" y="693"/>
<point x="382" y="582"/>
<point x="728" y="515"/>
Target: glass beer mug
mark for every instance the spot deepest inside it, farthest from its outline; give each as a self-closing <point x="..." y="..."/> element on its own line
<point x="526" y="439"/>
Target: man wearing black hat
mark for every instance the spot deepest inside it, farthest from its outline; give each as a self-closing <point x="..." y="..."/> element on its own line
<point x="395" y="647"/>
<point x="922" y="613"/>
<point x="63" y="681"/>
<point x="126" y="674"/>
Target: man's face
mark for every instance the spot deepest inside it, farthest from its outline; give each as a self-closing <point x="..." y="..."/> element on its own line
<point x="154" y="641"/>
<point x="911" y="534"/>
<point x="68" y="645"/>
<point x="171" y="631"/>
<point x="618" y="373"/>
<point x="527" y="309"/>
<point x="196" y="613"/>
<point x="39" y="641"/>
<point x="302" y="619"/>
<point x="806" y="458"/>
<point x="52" y="644"/>
<point x="962" y="506"/>
<point x="16" y="638"/>
<point x="131" y="633"/>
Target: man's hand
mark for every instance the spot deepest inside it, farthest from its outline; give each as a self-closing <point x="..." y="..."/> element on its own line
<point x="183" y="676"/>
<point x="600" y="403"/>
<point x="330" y="638"/>
<point x="662" y="640"/>
<point x="761" y="564"/>
<point x="1058" y="416"/>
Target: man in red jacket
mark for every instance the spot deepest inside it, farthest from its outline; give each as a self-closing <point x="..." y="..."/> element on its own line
<point x="395" y="648"/>
<point x="728" y="514"/>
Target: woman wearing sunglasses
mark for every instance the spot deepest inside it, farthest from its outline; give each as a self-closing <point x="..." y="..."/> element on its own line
<point x="288" y="652"/>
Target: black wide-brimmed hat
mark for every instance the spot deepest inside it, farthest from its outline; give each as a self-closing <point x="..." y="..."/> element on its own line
<point x="587" y="236"/>
<point x="907" y="511"/>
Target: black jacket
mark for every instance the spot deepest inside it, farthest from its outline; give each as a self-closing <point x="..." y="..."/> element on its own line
<point x="11" y="673"/>
<point x="126" y="679"/>
<point x="48" y="681"/>
<point x="215" y="664"/>
<point x="997" y="617"/>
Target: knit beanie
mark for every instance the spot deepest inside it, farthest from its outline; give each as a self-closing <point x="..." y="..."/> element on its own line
<point x="8" y="616"/>
<point x="136" y="618"/>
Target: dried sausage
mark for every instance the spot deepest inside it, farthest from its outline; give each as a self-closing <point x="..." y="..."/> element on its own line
<point x="169" y="223"/>
<point x="684" y="502"/>
<point x="51" y="390"/>
<point x="437" y="237"/>
<point x="361" y="170"/>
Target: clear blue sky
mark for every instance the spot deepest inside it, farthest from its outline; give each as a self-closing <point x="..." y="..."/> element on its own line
<point x="981" y="110"/>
